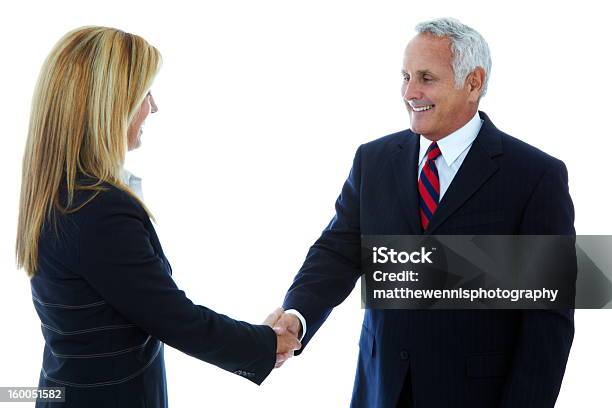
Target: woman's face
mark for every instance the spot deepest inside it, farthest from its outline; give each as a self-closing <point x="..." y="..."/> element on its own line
<point x="135" y="129"/>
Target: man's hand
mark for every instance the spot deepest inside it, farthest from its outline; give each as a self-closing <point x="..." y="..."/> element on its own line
<point x="284" y="324"/>
<point x="286" y="334"/>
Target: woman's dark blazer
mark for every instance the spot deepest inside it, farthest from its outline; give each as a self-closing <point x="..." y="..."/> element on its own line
<point x="107" y="303"/>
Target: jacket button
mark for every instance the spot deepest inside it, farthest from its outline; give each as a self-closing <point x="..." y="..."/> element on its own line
<point x="404" y="355"/>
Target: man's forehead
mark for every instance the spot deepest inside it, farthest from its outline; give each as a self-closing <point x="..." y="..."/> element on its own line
<point x="427" y="51"/>
<point x="430" y="40"/>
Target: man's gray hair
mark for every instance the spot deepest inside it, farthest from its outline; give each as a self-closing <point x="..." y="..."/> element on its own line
<point x="469" y="48"/>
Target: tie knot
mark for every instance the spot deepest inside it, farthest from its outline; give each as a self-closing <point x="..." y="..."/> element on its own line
<point x="433" y="151"/>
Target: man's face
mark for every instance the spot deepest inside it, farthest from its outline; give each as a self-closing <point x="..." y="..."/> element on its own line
<point x="435" y="106"/>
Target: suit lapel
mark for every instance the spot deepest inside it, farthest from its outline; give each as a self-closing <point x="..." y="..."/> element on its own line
<point x="405" y="167"/>
<point x="476" y="169"/>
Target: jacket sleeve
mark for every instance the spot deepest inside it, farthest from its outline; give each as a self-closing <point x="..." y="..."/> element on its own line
<point x="545" y="336"/>
<point x="333" y="262"/>
<point x="117" y="259"/>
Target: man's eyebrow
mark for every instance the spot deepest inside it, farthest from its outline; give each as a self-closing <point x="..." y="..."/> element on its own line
<point x="420" y="72"/>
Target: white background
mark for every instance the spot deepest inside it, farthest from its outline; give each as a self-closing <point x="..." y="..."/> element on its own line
<point x="261" y="107"/>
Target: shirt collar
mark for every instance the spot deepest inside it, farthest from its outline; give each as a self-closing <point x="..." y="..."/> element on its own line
<point x="453" y="145"/>
<point x="126" y="176"/>
<point x="132" y="181"/>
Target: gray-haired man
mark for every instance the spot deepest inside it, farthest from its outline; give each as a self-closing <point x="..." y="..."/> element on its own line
<point x="485" y="182"/>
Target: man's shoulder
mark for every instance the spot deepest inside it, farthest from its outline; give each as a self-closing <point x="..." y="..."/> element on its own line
<point x="390" y="142"/>
<point x="519" y="151"/>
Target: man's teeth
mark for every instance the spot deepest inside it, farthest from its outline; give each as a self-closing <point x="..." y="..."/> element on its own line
<point x="422" y="108"/>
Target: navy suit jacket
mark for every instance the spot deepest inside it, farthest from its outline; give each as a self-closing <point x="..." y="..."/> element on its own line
<point x="454" y="358"/>
<point x="106" y="301"/>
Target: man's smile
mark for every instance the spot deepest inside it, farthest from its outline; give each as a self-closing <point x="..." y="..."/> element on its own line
<point x="422" y="108"/>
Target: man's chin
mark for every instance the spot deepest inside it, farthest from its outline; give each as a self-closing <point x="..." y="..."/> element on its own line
<point x="418" y="129"/>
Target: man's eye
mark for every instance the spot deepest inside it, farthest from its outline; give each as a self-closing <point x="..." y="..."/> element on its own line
<point x="427" y="79"/>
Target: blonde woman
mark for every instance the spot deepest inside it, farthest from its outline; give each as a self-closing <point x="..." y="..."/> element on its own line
<point x="101" y="284"/>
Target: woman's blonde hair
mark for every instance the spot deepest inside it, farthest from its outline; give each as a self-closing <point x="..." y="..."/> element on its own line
<point x="89" y="89"/>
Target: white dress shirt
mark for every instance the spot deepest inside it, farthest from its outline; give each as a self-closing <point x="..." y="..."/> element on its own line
<point x="454" y="148"/>
<point x="133" y="182"/>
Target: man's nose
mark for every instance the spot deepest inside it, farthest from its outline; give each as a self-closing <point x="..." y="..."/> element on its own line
<point x="411" y="90"/>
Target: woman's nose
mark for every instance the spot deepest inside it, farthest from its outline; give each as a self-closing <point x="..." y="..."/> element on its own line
<point x="153" y="105"/>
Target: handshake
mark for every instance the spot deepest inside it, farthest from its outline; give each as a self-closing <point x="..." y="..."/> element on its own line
<point x="288" y="330"/>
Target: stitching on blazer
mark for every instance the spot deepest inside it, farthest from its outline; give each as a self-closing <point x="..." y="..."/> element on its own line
<point x="108" y="354"/>
<point x="113" y="382"/>
<point x="93" y="329"/>
<point x="37" y="300"/>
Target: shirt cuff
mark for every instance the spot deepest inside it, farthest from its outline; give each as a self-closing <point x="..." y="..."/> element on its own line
<point x="302" y="321"/>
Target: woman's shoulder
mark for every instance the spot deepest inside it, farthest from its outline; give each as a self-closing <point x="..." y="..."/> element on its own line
<point x="69" y="222"/>
<point x="100" y="218"/>
<point x="91" y="202"/>
<point x="110" y="197"/>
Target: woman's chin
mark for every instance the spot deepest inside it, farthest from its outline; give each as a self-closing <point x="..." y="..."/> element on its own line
<point x="134" y="145"/>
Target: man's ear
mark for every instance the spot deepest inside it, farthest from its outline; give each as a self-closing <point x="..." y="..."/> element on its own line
<point x="475" y="82"/>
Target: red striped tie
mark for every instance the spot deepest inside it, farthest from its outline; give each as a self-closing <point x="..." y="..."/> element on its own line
<point x="429" y="186"/>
